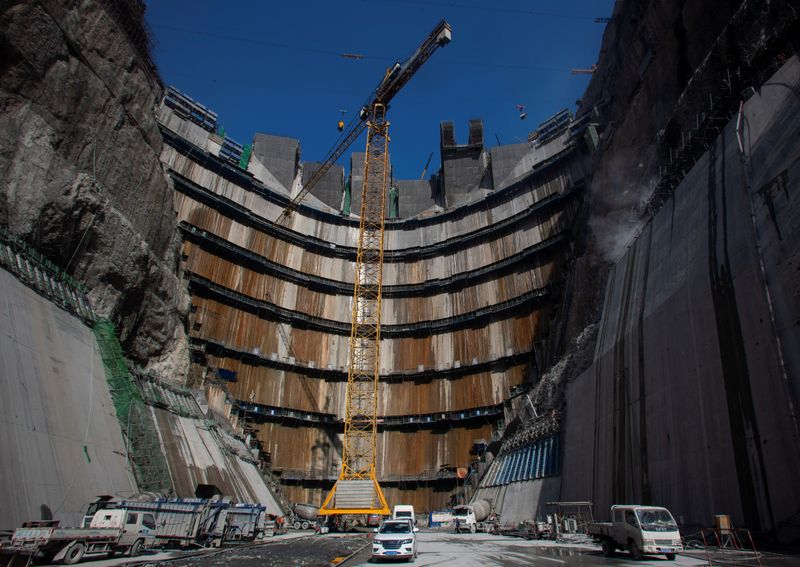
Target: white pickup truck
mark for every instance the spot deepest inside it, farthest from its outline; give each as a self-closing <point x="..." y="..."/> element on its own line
<point x="109" y="532"/>
<point x="639" y="529"/>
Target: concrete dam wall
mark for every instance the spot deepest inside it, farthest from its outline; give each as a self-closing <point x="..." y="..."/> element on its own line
<point x="691" y="402"/>
<point x="500" y="272"/>
<point x="466" y="295"/>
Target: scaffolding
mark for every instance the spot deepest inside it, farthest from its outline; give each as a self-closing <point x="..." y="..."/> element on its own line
<point x="357" y="490"/>
<point x="145" y="457"/>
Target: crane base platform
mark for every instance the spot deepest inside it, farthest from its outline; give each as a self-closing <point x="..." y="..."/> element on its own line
<point x="355" y="497"/>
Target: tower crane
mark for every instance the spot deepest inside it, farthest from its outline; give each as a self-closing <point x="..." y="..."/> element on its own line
<point x="395" y="79"/>
<point x="357" y="490"/>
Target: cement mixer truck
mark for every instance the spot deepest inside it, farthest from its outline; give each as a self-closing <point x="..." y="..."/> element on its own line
<point x="476" y="516"/>
<point x="303" y="516"/>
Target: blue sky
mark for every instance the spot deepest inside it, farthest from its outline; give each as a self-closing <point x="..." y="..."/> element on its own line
<point x="276" y="67"/>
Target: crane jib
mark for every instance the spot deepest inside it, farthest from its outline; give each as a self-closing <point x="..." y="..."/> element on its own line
<point x="391" y="84"/>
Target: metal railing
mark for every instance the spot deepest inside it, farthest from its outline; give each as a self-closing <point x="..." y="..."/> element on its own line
<point x="253" y="410"/>
<point x="44" y="277"/>
<point x="457" y="368"/>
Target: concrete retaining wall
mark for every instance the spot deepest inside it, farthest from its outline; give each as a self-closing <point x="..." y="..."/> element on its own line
<point x="60" y="440"/>
<point x="690" y="400"/>
<point x="195" y="455"/>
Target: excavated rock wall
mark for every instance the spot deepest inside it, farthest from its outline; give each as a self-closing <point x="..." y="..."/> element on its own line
<point x="80" y="178"/>
<point x="664" y="69"/>
<point x="691" y="401"/>
<point x="661" y="64"/>
<point x="686" y="403"/>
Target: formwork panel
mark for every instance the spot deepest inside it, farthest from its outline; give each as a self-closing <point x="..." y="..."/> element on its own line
<point x="459" y="222"/>
<point x="337" y="307"/>
<point x="245" y="334"/>
<point x="312" y="453"/>
<point x="485" y="252"/>
<point x="310" y="392"/>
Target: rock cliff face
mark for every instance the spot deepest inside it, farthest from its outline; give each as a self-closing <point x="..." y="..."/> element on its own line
<point x="80" y="178"/>
<point x="689" y="401"/>
<point x="662" y="66"/>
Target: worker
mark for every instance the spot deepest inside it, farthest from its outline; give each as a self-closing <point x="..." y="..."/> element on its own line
<point x="340" y="125"/>
<point x="458" y="526"/>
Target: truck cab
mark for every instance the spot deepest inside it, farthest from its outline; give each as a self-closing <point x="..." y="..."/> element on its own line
<point x="640" y="529"/>
<point x="134" y="527"/>
<point x="464" y="519"/>
<point x="404" y="512"/>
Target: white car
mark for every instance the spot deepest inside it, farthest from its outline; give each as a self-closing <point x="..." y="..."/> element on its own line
<point x="395" y="539"/>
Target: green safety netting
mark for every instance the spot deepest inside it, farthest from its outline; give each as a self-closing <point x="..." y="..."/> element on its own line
<point x="144" y="449"/>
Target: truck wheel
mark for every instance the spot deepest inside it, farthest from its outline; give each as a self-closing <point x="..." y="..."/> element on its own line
<point x="296" y="525"/>
<point x="136" y="548"/>
<point x="472" y="528"/>
<point x="75" y="553"/>
<point x="304" y="525"/>
<point x="608" y="548"/>
<point x="670" y="557"/>
<point x="636" y="553"/>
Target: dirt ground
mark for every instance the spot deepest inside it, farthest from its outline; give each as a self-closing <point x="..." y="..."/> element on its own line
<point x="307" y="551"/>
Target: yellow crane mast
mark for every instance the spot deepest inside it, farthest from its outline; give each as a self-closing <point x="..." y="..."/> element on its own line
<point x="357" y="490"/>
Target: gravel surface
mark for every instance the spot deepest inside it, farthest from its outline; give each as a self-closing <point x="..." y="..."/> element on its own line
<point x="310" y="551"/>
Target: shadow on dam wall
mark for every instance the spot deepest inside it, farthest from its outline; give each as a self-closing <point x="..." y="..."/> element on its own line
<point x="690" y="402"/>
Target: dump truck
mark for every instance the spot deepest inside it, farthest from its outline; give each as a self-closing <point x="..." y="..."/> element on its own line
<point x="476" y="516"/>
<point x="109" y="532"/>
<point x="640" y="530"/>
<point x="189" y="521"/>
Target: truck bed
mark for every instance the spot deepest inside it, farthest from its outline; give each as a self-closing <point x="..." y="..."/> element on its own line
<point x="601" y="529"/>
<point x="38" y="536"/>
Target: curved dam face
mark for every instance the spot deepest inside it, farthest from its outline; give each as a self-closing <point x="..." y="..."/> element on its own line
<point x="467" y="292"/>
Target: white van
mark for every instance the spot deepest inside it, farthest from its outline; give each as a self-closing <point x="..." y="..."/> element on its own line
<point x="404" y="512"/>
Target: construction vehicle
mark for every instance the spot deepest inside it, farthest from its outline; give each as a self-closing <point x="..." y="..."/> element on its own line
<point x="475" y="517"/>
<point x="182" y="522"/>
<point x="527" y="529"/>
<point x="639" y="529"/>
<point x="109" y="532"/>
<point x="404" y="512"/>
<point x="356" y="490"/>
<point x="303" y="516"/>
